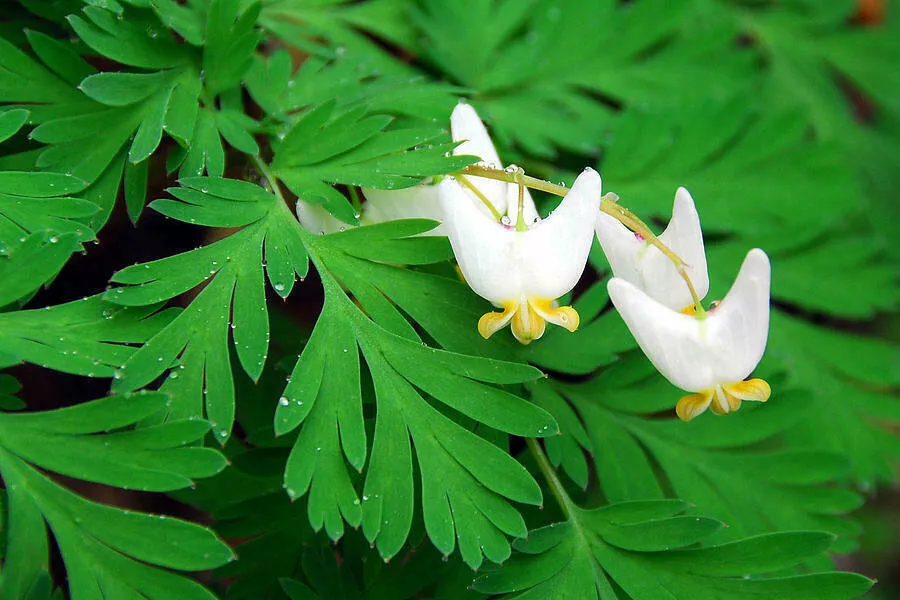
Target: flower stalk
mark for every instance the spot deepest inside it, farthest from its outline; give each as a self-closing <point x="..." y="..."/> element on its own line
<point x="608" y="204"/>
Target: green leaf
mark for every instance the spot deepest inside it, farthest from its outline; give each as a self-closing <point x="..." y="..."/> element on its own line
<point x="122" y="89"/>
<point x="61" y="58"/>
<point x="153" y="459"/>
<point x="475" y="476"/>
<point x="582" y="558"/>
<point x="87" y="337"/>
<point x="195" y="345"/>
<point x="701" y="464"/>
<point x="329" y="146"/>
<point x="231" y="38"/>
<point x="136" y="176"/>
<point x="107" y="548"/>
<point x="27" y="265"/>
<point x="137" y="41"/>
<point x="8" y="388"/>
<point x="11" y="121"/>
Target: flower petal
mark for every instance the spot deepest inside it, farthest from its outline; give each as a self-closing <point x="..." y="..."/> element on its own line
<point x="316" y="219"/>
<point x="553" y="252"/>
<point x="752" y="389"/>
<point x="418" y="202"/>
<point x="691" y="406"/>
<point x="564" y="316"/>
<point x="684" y="236"/>
<point x="492" y="322"/>
<point x="527" y="325"/>
<point x="673" y="342"/>
<point x="622" y="249"/>
<point x="740" y="324"/>
<point x="642" y="264"/>
<point x="484" y="249"/>
<point x="696" y="354"/>
<point x="466" y="127"/>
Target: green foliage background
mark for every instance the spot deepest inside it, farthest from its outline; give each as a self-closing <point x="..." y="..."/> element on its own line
<point x="361" y="439"/>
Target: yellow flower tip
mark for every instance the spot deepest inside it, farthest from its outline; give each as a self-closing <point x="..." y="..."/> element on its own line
<point x="492" y="322"/>
<point x="528" y="318"/>
<point x="692" y="405"/>
<point x="689" y="310"/>
<point x="723" y="399"/>
<point x="752" y="389"/>
<point x="564" y="316"/>
<point x="527" y="324"/>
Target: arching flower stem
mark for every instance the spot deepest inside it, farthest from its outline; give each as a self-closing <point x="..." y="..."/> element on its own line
<point x="608" y="204"/>
<point x="521" y="225"/>
<point x="468" y="185"/>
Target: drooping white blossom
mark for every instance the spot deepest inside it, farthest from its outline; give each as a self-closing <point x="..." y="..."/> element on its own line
<point x="710" y="355"/>
<point x="634" y="259"/>
<point x="522" y="271"/>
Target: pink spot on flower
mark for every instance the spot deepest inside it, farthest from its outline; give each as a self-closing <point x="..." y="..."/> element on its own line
<point x="638" y="237"/>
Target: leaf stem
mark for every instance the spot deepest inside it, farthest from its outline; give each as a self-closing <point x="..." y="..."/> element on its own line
<point x="556" y="487"/>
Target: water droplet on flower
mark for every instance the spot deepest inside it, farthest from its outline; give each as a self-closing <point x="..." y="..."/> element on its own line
<point x="283" y="401"/>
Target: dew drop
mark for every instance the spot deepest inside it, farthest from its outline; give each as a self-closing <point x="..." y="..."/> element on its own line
<point x="283" y="401"/>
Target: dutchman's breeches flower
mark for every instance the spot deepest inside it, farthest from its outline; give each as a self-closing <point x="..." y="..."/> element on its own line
<point x="709" y="355"/>
<point x="634" y="259"/>
<point x="522" y="270"/>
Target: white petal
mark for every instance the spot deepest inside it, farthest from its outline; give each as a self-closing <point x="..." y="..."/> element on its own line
<point x="466" y="127"/>
<point x="684" y="236"/>
<point x="316" y="219"/>
<point x="555" y="250"/>
<point x="622" y="249"/>
<point x="672" y="341"/>
<point x="646" y="267"/>
<point x="418" y="202"/>
<point x="484" y="248"/>
<point x="698" y="354"/>
<point x="741" y="321"/>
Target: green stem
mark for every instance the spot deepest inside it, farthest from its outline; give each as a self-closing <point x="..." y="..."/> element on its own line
<point x="556" y="487"/>
<point x="514" y="177"/>
<point x="520" y="220"/>
<point x="471" y="187"/>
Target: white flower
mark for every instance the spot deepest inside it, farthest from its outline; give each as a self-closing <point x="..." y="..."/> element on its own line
<point x="635" y="260"/>
<point x="421" y="201"/>
<point x="523" y="271"/>
<point x="315" y="218"/>
<point x="710" y="356"/>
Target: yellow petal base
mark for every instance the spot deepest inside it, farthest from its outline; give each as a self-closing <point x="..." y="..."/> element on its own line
<point x="723" y="399"/>
<point x="528" y="318"/>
